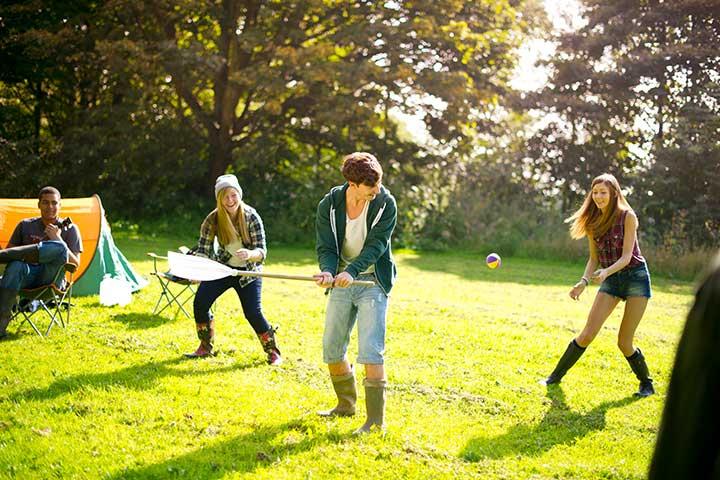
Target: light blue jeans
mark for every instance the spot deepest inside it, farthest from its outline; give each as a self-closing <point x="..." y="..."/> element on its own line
<point x="368" y="307"/>
<point x="18" y="275"/>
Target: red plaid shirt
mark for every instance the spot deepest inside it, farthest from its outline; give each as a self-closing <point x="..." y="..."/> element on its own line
<point x="610" y="246"/>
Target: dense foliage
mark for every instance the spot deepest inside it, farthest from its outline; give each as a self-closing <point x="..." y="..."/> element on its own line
<point x="636" y="92"/>
<point x="146" y="102"/>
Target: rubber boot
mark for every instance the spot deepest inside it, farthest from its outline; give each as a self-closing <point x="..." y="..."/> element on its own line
<point x="375" y="404"/>
<point x="206" y="334"/>
<point x="572" y="354"/>
<point x="346" y="392"/>
<point x="640" y="369"/>
<point x="7" y="300"/>
<point x="269" y="345"/>
<point x="24" y="253"/>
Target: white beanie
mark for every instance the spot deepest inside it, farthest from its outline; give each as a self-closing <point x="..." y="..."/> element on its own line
<point x="229" y="180"/>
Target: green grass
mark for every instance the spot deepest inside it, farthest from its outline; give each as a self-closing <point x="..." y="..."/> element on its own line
<point x="111" y="397"/>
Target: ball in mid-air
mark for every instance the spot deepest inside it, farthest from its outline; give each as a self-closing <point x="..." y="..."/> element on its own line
<point x="493" y="260"/>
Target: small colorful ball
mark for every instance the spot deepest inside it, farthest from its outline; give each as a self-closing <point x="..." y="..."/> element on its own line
<point x="493" y="261"/>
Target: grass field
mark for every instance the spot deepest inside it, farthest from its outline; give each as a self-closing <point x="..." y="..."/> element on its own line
<point x="112" y="397"/>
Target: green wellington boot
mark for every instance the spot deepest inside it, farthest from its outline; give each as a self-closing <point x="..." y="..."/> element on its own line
<point x="375" y="404"/>
<point x="346" y="392"/>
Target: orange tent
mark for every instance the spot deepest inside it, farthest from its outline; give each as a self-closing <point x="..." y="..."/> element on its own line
<point x="100" y="256"/>
<point x="86" y="213"/>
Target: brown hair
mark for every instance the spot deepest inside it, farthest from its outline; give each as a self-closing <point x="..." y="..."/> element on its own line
<point x="589" y="219"/>
<point x="362" y="167"/>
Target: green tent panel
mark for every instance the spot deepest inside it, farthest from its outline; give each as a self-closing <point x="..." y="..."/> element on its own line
<point x="107" y="260"/>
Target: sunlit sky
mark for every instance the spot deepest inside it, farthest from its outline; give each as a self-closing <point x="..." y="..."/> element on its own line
<point x="565" y="15"/>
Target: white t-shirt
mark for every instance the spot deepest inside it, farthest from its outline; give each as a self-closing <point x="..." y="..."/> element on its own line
<point x="232" y="248"/>
<point x="355" y="235"/>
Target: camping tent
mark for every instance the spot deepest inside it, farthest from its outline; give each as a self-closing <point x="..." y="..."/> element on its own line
<point x="100" y="255"/>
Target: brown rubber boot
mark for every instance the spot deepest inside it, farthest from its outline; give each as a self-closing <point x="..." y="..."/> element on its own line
<point x="24" y="253"/>
<point x="7" y="300"/>
<point x="346" y="392"/>
<point x="5" y="318"/>
<point x="206" y="334"/>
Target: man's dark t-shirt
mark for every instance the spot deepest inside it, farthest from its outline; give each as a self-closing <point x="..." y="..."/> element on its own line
<point x="32" y="230"/>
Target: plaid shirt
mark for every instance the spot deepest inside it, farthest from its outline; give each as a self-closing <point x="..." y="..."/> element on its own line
<point x="209" y="244"/>
<point x="610" y="245"/>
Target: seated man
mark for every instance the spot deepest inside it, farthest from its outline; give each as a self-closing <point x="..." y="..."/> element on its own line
<point x="38" y="247"/>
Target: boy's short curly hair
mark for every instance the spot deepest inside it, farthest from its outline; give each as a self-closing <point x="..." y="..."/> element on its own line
<point x="362" y="167"/>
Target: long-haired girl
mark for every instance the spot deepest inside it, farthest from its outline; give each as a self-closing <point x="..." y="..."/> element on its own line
<point x="611" y="227"/>
<point x="240" y="236"/>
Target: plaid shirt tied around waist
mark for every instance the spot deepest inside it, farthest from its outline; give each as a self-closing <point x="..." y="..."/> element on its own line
<point x="610" y="245"/>
<point x="209" y="245"/>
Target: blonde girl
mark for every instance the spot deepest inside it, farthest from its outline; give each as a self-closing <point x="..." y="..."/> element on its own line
<point x="237" y="230"/>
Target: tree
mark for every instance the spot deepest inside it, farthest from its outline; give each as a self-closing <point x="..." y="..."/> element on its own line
<point x="635" y="88"/>
<point x="324" y="72"/>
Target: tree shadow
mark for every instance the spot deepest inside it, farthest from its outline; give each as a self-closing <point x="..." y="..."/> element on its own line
<point x="136" y="377"/>
<point x="559" y="426"/>
<point x="141" y="321"/>
<point x="262" y="447"/>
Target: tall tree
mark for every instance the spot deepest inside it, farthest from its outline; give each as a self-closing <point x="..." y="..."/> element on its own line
<point x="325" y="72"/>
<point x="634" y="88"/>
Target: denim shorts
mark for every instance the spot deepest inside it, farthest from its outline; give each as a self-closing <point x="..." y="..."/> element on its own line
<point x="368" y="307"/>
<point x="629" y="282"/>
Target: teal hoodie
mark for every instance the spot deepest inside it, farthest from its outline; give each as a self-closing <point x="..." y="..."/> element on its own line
<point x="330" y="232"/>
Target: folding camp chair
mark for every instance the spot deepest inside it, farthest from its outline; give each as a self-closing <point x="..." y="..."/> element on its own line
<point x="175" y="290"/>
<point x="50" y="299"/>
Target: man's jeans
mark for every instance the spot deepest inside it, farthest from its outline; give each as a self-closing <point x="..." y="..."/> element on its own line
<point x="53" y="255"/>
<point x="367" y="306"/>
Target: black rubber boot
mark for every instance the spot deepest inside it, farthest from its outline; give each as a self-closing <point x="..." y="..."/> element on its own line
<point x="640" y="369"/>
<point x="572" y="354"/>
<point x="346" y="392"/>
<point x="7" y="300"/>
<point x="25" y="253"/>
<point x="375" y="404"/>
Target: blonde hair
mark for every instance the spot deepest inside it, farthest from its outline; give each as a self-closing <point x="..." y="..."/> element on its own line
<point x="589" y="219"/>
<point x="229" y="229"/>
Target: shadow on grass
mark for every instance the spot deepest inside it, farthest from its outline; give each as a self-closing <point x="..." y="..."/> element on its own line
<point x="262" y="447"/>
<point x="136" y="377"/>
<point x="140" y="321"/>
<point x="559" y="426"/>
